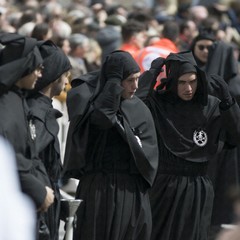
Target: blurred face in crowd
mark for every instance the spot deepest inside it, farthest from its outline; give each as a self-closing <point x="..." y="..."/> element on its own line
<point x="66" y="46"/>
<point x="140" y="38"/>
<point x="130" y="85"/>
<point x="201" y="49"/>
<point x="187" y="86"/>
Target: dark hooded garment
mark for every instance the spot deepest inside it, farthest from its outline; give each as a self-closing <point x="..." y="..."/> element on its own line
<point x="45" y="119"/>
<point x="19" y="54"/>
<point x="224" y="168"/>
<point x="182" y="194"/>
<point x="103" y="152"/>
<point x="19" y="57"/>
<point x="204" y="35"/>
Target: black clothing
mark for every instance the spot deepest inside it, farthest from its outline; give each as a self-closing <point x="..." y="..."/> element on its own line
<point x="16" y="127"/>
<point x="45" y="120"/>
<point x="19" y="58"/>
<point x="112" y="150"/>
<point x="182" y="194"/>
<point x="223" y="168"/>
<point x="21" y="54"/>
<point x="55" y="64"/>
<point x="47" y="147"/>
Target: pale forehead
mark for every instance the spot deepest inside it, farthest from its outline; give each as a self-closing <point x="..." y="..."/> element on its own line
<point x="133" y="75"/>
<point x="187" y="76"/>
<point x="204" y="42"/>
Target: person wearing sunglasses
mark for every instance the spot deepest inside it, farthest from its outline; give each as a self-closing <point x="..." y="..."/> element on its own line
<point x="200" y="48"/>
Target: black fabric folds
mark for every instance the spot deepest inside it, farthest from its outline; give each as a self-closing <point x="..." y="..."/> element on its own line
<point x="177" y="119"/>
<point x="56" y="63"/>
<point x="19" y="57"/>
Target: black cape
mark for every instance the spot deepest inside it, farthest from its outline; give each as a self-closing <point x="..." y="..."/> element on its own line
<point x="15" y="127"/>
<point x="45" y="117"/>
<point x="76" y="145"/>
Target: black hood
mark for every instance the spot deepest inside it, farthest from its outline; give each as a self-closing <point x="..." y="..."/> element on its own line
<point x="55" y="63"/>
<point x="177" y="65"/>
<point x="19" y="57"/>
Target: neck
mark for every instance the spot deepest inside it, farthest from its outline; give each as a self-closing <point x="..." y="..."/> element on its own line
<point x="47" y="91"/>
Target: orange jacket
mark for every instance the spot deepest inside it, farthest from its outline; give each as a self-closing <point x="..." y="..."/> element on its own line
<point x="161" y="48"/>
<point x="132" y="49"/>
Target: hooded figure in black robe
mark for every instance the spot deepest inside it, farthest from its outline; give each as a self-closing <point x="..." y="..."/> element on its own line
<point x="190" y="132"/>
<point x="224" y="168"/>
<point x="20" y="60"/>
<point x="55" y="67"/>
<point x="112" y="148"/>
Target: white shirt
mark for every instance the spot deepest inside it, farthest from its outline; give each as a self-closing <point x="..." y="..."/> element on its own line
<point x="17" y="217"/>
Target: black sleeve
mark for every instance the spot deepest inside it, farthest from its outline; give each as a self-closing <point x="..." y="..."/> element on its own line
<point x="146" y="84"/>
<point x="33" y="179"/>
<point x="231" y="123"/>
<point x="106" y="105"/>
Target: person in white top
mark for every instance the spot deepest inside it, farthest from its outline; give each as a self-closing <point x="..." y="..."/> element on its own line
<point x="17" y="217"/>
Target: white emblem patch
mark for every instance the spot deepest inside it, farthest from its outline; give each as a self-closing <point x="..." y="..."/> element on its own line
<point x="200" y="138"/>
<point x="32" y="130"/>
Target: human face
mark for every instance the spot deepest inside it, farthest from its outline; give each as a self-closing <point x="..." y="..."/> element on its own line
<point x="201" y="49"/>
<point x="29" y="81"/>
<point x="130" y="85"/>
<point x="59" y="85"/>
<point x="66" y="47"/>
<point x="139" y="39"/>
<point x="187" y="86"/>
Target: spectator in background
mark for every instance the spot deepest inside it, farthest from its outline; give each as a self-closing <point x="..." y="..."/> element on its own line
<point x="200" y="47"/>
<point x="134" y="35"/>
<point x="93" y="57"/>
<point x="187" y="32"/>
<point x="109" y="37"/>
<point x="79" y="44"/>
<point x="161" y="48"/>
<point x="41" y="31"/>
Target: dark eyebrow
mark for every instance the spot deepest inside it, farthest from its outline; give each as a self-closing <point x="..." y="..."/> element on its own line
<point x="183" y="81"/>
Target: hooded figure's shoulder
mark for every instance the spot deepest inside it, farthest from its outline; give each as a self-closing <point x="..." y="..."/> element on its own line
<point x="83" y="91"/>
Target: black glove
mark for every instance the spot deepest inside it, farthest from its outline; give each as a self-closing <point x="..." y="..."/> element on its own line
<point x="221" y="90"/>
<point x="157" y="66"/>
<point x="114" y="69"/>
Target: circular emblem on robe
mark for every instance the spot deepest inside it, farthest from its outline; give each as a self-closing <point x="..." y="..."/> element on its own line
<point x="200" y="138"/>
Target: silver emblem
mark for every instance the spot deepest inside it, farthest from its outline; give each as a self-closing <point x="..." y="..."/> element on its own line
<point x="32" y="129"/>
<point x="200" y="138"/>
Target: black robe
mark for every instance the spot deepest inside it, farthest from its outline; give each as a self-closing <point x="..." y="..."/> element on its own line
<point x="14" y="125"/>
<point x="182" y="194"/>
<point x="114" y="171"/>
<point x="47" y="147"/>
<point x="224" y="168"/>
